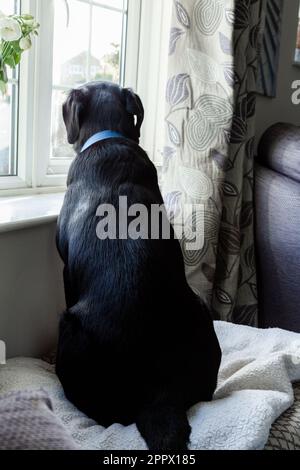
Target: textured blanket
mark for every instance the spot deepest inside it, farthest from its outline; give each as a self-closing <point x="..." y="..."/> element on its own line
<point x="254" y="389"/>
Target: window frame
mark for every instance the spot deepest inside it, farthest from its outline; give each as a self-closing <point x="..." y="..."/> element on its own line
<point x="14" y="81"/>
<point x="144" y="55"/>
<point x="44" y="88"/>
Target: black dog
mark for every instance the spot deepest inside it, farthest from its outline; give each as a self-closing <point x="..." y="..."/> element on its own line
<point x="135" y="343"/>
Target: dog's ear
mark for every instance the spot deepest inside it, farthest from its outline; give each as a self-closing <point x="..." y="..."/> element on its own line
<point x="135" y="107"/>
<point x="72" y="112"/>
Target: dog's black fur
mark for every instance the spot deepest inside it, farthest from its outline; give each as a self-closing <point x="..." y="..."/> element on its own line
<point x="135" y="343"/>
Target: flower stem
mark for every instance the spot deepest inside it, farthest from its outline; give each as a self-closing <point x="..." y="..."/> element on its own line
<point x="6" y="50"/>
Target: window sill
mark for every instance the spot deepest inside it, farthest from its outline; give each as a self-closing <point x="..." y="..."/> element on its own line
<point x="26" y="211"/>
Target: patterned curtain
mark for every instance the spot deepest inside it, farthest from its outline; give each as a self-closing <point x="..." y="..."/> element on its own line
<point x="208" y="157"/>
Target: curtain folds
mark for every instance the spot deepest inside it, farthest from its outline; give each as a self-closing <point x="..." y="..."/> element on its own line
<point x="208" y="156"/>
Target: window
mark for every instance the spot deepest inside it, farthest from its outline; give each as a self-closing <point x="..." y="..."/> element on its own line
<point x="297" y="52"/>
<point x="95" y="36"/>
<point x="9" y="111"/>
<point x="124" y="41"/>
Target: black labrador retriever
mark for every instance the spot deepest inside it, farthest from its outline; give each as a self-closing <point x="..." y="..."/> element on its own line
<point x="135" y="343"/>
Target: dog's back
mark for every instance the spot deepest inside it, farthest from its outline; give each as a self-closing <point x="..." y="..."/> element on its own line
<point x="135" y="344"/>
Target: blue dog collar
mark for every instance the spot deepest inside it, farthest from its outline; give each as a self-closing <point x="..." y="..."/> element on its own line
<point x="99" y="136"/>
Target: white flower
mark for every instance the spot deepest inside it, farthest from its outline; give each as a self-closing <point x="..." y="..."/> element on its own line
<point x="10" y="29"/>
<point x="25" y="43"/>
<point x="1" y="14"/>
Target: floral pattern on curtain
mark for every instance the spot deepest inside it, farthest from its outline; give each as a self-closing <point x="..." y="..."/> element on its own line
<point x="208" y="157"/>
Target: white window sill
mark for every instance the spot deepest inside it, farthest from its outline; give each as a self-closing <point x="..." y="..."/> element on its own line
<point x="26" y="211"/>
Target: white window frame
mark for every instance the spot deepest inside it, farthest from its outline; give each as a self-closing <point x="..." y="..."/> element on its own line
<point x="152" y="73"/>
<point x="146" y="47"/>
<point x="11" y="180"/>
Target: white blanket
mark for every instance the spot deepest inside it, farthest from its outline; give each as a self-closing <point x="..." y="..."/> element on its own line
<point x="255" y="387"/>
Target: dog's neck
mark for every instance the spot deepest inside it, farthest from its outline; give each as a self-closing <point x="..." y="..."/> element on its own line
<point x="100" y="136"/>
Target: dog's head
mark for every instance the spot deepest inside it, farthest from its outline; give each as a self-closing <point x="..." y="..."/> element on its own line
<point x="99" y="106"/>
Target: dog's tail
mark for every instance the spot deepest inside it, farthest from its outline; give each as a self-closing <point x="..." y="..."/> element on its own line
<point x="164" y="427"/>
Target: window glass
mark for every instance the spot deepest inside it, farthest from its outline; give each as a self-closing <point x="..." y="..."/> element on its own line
<point x="88" y="45"/>
<point x="9" y="110"/>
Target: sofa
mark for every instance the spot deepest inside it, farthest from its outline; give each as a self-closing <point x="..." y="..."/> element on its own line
<point x="277" y="232"/>
<point x="277" y="208"/>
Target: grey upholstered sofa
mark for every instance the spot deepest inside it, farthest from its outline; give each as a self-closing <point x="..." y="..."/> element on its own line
<point x="277" y="208"/>
<point x="277" y="200"/>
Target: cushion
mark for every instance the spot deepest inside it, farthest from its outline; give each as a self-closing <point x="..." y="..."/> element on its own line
<point x="86" y="434"/>
<point x="254" y="388"/>
<point x="28" y="423"/>
<point x="285" y="432"/>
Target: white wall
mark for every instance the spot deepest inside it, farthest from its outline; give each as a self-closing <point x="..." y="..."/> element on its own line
<point x="281" y="108"/>
<point x="31" y="290"/>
